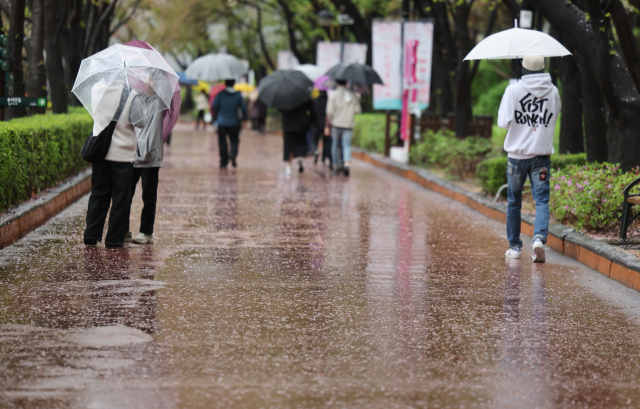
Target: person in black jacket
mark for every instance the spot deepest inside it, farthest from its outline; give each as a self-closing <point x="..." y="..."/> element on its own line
<point x="295" y="125"/>
<point x="320" y="105"/>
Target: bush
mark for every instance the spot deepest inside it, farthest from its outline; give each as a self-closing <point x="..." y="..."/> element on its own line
<point x="489" y="101"/>
<point x="458" y="157"/>
<point x="493" y="172"/>
<point x="38" y="152"/>
<point x="589" y="196"/>
<point x="368" y="132"/>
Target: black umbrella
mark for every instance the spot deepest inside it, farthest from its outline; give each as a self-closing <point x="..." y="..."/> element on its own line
<point x="355" y="74"/>
<point x="285" y="89"/>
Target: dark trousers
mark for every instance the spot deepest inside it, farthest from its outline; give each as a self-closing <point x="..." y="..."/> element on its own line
<point x="201" y="118"/>
<point x="149" y="178"/>
<point x="225" y="153"/>
<point x="110" y="185"/>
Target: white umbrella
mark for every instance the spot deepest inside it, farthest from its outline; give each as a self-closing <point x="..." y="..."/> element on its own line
<point x="215" y="67"/>
<point x="516" y="43"/>
<point x="116" y="72"/>
<point x="313" y="72"/>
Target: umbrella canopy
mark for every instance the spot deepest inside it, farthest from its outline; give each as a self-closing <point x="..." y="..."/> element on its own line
<point x="215" y="67"/>
<point x="516" y="43"/>
<point x="202" y="86"/>
<point x="313" y="72"/>
<point x="171" y="115"/>
<point x="186" y="81"/>
<point x="130" y="69"/>
<point x="355" y="74"/>
<point x="285" y="89"/>
<point x="322" y="83"/>
<point x="243" y="87"/>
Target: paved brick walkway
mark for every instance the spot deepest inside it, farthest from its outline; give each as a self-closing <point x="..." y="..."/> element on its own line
<point x="313" y="291"/>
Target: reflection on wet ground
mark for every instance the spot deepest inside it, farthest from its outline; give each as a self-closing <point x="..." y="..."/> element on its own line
<point x="313" y="291"/>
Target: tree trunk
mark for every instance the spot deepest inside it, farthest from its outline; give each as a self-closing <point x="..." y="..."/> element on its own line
<point x="571" y="134"/>
<point x="628" y="44"/>
<point x="72" y="40"/>
<point x="463" y="83"/>
<point x="16" y="42"/>
<point x="595" y="123"/>
<point x="37" y="76"/>
<point x="617" y="87"/>
<point x="53" y="63"/>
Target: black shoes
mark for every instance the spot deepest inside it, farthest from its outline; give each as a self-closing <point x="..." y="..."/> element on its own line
<point x="233" y="162"/>
<point x="346" y="170"/>
<point x="300" y="166"/>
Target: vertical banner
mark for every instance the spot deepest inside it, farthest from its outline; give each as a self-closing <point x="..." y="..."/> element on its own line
<point x="387" y="54"/>
<point x="327" y="55"/>
<point x="421" y="31"/>
<point x="355" y="53"/>
<point x="286" y="60"/>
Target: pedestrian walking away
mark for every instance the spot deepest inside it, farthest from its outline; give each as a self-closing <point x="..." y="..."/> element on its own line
<point x="148" y="159"/>
<point x="227" y="105"/>
<point x="111" y="178"/>
<point x="202" y="105"/>
<point x="342" y="107"/>
<point x="529" y="111"/>
<point x="320" y="105"/>
<point x="295" y="125"/>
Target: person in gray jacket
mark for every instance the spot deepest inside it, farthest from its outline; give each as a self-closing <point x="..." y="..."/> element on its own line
<point x="148" y="113"/>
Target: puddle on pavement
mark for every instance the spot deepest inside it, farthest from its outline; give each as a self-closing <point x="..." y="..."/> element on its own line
<point x="309" y="292"/>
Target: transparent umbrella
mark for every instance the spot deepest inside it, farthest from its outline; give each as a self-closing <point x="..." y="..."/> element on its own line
<point x="117" y="75"/>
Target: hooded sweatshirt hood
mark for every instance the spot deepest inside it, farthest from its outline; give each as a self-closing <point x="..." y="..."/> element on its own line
<point x="538" y="85"/>
<point x="529" y="111"/>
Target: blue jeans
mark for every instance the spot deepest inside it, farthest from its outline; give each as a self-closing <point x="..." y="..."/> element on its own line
<point x="517" y="172"/>
<point x="336" y="135"/>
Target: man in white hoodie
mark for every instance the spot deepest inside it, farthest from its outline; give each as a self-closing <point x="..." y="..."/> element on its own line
<point x="529" y="111"/>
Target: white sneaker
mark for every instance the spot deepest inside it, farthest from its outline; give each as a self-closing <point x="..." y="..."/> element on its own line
<point x="538" y="252"/>
<point x="515" y="252"/>
<point x="142" y="238"/>
<point x="287" y="171"/>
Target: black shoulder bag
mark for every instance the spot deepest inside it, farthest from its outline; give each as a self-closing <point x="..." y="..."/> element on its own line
<point x="95" y="148"/>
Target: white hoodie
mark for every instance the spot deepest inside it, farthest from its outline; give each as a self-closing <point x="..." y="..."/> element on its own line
<point x="529" y="110"/>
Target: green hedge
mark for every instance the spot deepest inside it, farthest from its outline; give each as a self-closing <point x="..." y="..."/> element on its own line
<point x="458" y="157"/>
<point x="38" y="152"/>
<point x="368" y="132"/>
<point x="493" y="172"/>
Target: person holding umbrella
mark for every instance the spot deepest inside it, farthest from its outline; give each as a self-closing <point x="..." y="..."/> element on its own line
<point x="107" y="84"/>
<point x="290" y="92"/>
<point x="226" y="106"/>
<point x="529" y="111"/>
<point x="342" y="108"/>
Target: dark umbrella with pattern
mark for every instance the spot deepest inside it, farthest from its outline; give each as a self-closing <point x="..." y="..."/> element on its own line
<point x="285" y="89"/>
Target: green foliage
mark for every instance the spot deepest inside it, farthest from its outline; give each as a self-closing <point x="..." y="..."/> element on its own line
<point x="38" y="152"/>
<point x="489" y="76"/>
<point x="489" y="101"/>
<point x="368" y="132"/>
<point x="589" y="196"/>
<point x="493" y="172"/>
<point x="458" y="157"/>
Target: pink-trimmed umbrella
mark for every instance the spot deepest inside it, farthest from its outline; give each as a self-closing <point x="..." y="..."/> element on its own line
<point x="323" y="83"/>
<point x="171" y="114"/>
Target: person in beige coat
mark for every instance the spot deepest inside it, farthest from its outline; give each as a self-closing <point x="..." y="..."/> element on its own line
<point x="342" y="108"/>
<point x="111" y="178"/>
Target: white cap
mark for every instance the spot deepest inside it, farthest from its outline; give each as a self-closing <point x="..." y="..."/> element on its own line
<point x="533" y="62"/>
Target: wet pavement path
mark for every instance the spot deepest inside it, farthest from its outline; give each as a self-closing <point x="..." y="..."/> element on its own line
<point x="314" y="291"/>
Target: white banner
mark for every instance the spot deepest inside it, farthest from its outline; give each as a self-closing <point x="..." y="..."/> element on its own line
<point x="328" y="54"/>
<point x="286" y="60"/>
<point x="355" y="53"/>
<point x="387" y="54"/>
<point x="421" y="31"/>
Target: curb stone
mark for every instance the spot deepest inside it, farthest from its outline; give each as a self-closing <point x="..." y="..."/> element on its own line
<point x="16" y="222"/>
<point x="595" y="254"/>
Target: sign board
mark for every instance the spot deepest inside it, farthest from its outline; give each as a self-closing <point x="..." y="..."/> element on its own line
<point x="8" y="77"/>
<point x="355" y="53"/>
<point x="4" y="40"/>
<point x="328" y="54"/>
<point x="422" y="32"/>
<point x="387" y="53"/>
<point x="22" y="102"/>
<point x="286" y="60"/>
